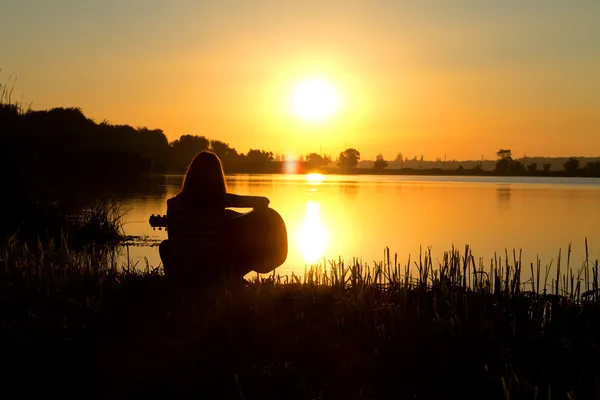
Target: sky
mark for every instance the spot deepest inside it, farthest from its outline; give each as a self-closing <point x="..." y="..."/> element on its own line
<point x="436" y="78"/>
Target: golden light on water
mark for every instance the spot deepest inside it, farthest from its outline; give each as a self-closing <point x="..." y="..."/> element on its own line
<point x="314" y="179"/>
<point x="313" y="236"/>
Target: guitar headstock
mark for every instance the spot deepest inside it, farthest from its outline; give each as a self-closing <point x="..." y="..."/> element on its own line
<point x="158" y="221"/>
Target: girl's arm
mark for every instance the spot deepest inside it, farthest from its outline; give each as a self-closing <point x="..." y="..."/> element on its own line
<point x="235" y="200"/>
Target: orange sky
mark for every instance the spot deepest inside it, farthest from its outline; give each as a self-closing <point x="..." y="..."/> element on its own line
<point x="438" y="78"/>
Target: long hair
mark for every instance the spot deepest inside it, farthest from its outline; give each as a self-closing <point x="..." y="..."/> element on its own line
<point x="204" y="177"/>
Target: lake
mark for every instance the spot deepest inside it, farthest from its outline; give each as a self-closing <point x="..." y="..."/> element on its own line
<point x="332" y="216"/>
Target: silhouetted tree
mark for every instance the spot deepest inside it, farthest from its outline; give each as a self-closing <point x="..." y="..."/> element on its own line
<point x="185" y="148"/>
<point x="546" y="167"/>
<point x="379" y="163"/>
<point x="399" y="159"/>
<point x="59" y="155"/>
<point x="593" y="168"/>
<point x="314" y="160"/>
<point x="518" y="167"/>
<point x="348" y="158"/>
<point x="571" y="165"/>
<point x="259" y="156"/>
<point x="505" y="163"/>
<point x="228" y="155"/>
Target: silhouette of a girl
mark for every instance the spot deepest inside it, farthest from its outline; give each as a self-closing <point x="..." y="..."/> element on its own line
<point x="206" y="240"/>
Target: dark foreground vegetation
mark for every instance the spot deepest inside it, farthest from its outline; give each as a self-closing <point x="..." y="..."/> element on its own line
<point x="75" y="324"/>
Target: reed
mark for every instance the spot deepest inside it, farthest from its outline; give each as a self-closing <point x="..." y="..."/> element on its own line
<point x="344" y="329"/>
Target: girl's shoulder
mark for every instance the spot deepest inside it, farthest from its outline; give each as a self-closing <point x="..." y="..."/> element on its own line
<point x="177" y="201"/>
<point x="182" y="201"/>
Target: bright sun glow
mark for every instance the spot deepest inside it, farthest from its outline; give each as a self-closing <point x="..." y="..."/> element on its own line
<point x="314" y="100"/>
<point x="314" y="178"/>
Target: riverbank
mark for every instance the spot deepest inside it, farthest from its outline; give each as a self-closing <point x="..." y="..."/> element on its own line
<point x="76" y="326"/>
<point x="455" y="172"/>
<point x="293" y="167"/>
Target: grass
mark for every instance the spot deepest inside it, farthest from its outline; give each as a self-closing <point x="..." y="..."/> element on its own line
<point x="83" y="224"/>
<point x="75" y="323"/>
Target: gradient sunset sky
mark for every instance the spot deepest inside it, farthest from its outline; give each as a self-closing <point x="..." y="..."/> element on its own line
<point x="461" y="78"/>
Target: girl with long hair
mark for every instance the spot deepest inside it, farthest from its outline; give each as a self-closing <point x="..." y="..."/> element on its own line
<point x="206" y="240"/>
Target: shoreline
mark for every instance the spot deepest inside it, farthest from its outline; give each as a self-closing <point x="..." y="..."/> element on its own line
<point x="392" y="172"/>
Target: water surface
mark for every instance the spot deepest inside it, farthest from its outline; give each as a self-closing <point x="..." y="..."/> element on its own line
<point x="359" y="215"/>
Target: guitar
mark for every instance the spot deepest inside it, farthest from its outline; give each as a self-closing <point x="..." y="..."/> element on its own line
<point x="158" y="221"/>
<point x="259" y="235"/>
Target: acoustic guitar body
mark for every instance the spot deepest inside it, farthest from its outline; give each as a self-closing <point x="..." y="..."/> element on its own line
<point x="257" y="238"/>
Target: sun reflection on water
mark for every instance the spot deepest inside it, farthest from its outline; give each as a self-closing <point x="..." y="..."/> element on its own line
<point x="314" y="178"/>
<point x="313" y="237"/>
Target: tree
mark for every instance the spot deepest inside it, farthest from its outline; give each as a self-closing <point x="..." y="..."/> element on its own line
<point x="379" y="163"/>
<point x="517" y="167"/>
<point x="314" y="160"/>
<point x="546" y="167"/>
<point x="504" y="154"/>
<point x="593" y="168"/>
<point x="348" y="158"/>
<point x="571" y="165"/>
<point x="185" y="148"/>
<point x="400" y="160"/>
<point x="221" y="149"/>
<point x="505" y="163"/>
<point x="259" y="157"/>
<point x="228" y="155"/>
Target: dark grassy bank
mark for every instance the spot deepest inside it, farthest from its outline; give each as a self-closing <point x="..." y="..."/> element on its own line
<point x="73" y="323"/>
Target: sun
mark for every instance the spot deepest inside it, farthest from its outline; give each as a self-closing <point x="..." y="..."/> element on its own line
<point x="314" y="100"/>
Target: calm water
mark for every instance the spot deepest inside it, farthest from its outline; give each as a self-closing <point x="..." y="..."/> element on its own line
<point x="358" y="216"/>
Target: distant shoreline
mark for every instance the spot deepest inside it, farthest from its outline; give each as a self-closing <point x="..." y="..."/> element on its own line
<point x="441" y="172"/>
<point x="386" y="172"/>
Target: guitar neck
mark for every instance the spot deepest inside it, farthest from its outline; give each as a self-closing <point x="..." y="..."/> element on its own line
<point x="158" y="221"/>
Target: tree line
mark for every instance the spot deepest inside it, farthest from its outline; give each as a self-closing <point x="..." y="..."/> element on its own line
<point x="506" y="165"/>
<point x="62" y="143"/>
<point x="40" y="148"/>
<point x="59" y="158"/>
